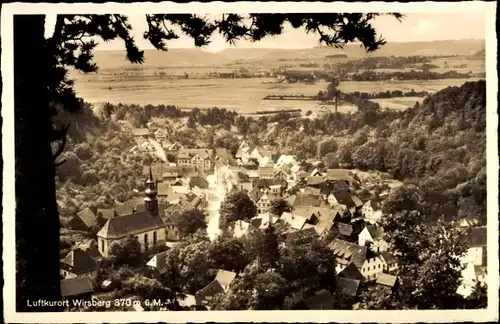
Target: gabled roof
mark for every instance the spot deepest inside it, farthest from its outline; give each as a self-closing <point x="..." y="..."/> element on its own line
<point x="106" y="212"/>
<point x="91" y="248"/>
<point x="124" y="209"/>
<point x="374" y="231"/>
<point x="388" y="258"/>
<point x="339" y="174"/>
<point x="344" y="198"/>
<point x="160" y="132"/>
<point x="240" y="228"/>
<point x="321" y="300"/>
<point x="265" y="183"/>
<point x="307" y="200"/>
<point x="255" y="194"/>
<point x="199" y="182"/>
<point x="315" y="180"/>
<point x="140" y="131"/>
<point x="266" y="170"/>
<point x="190" y="153"/>
<point x="386" y="279"/>
<point x="79" y="262"/>
<point x="76" y="286"/>
<point x="357" y="201"/>
<point x="208" y="292"/>
<point x="477" y="237"/>
<point x="347" y="286"/>
<point x="351" y="272"/>
<point x="225" y="278"/>
<point x="88" y="217"/>
<point x="295" y="222"/>
<point x="373" y="204"/>
<point x="121" y="226"/>
<point x="345" y="229"/>
<point x="158" y="260"/>
<point x="349" y="251"/>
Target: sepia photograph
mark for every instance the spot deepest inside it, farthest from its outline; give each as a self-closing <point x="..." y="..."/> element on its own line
<point x="224" y="157"/>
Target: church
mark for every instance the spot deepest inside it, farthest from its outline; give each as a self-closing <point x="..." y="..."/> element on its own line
<point x="145" y="223"/>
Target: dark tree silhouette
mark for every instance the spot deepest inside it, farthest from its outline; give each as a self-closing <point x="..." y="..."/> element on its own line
<point x="71" y="46"/>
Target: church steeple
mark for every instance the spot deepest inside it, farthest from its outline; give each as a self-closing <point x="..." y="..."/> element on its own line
<point x="151" y="199"/>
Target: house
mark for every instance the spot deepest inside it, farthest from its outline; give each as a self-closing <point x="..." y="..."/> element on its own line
<point x="225" y="278"/>
<point x="372" y="234"/>
<point x="77" y="288"/>
<point x="263" y="220"/>
<point x="321" y="300"/>
<point x="306" y="200"/>
<point x="352" y="203"/>
<point x="315" y="181"/>
<point x="146" y="225"/>
<point x="280" y="175"/>
<point x="340" y="175"/>
<point x="346" y="232"/>
<point x="371" y="211"/>
<point x="477" y="246"/>
<point x="206" y="294"/>
<point x="295" y="222"/>
<point x="83" y="220"/>
<point x="201" y="159"/>
<point x="155" y="268"/>
<point x="266" y="172"/>
<point x="390" y="264"/>
<point x="160" y="135"/>
<point x="173" y="216"/>
<point x="369" y="264"/>
<point x="351" y="272"/>
<point x="347" y="286"/>
<point x="387" y="280"/>
<point x="284" y="160"/>
<point x="175" y="147"/>
<point x="264" y="202"/>
<point x="78" y="263"/>
<point x="140" y="132"/>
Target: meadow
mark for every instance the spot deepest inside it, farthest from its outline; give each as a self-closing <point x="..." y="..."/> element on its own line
<point x="242" y="95"/>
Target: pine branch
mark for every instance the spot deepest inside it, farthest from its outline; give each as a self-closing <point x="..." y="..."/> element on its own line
<point x="60" y="135"/>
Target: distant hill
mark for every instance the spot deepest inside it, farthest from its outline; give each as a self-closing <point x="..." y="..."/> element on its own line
<point x="187" y="57"/>
<point x="155" y="58"/>
<point x="446" y="47"/>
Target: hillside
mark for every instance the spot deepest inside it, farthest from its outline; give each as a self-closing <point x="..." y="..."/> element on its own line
<point x="108" y="60"/>
<point x="155" y="58"/>
<point x="447" y="47"/>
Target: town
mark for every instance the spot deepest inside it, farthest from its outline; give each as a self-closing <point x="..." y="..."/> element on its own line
<point x="210" y="194"/>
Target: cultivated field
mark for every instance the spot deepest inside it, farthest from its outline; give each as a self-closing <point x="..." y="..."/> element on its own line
<point x="242" y="95"/>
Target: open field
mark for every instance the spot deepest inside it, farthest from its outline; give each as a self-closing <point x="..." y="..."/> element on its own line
<point x="400" y="103"/>
<point x="242" y="95"/>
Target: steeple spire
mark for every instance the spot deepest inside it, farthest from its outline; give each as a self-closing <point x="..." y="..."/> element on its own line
<point x="151" y="199"/>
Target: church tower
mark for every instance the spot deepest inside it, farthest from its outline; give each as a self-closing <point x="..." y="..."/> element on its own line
<point x="151" y="199"/>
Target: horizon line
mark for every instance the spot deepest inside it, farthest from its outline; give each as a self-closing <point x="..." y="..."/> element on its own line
<point x="296" y="48"/>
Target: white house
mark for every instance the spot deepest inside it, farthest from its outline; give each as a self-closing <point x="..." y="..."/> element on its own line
<point x="475" y="262"/>
<point x="240" y="228"/>
<point x="372" y="234"/>
<point x="264" y="203"/>
<point x="371" y="211"/>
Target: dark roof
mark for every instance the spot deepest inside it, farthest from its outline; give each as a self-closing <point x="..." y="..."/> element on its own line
<point x="124" y="209"/>
<point x="351" y="272"/>
<point x="106" y="212"/>
<point x="121" y="226"/>
<point x="389" y="259"/>
<point x="478" y="237"/>
<point x="79" y="262"/>
<point x="321" y="300"/>
<point x="349" y="251"/>
<point x="160" y="261"/>
<point x="190" y="153"/>
<point x="345" y="229"/>
<point x="374" y="231"/>
<point x="255" y="194"/>
<point x="76" y="286"/>
<point x="307" y="200"/>
<point x="91" y="247"/>
<point x="344" y="198"/>
<point x="339" y="174"/>
<point x="199" y="182"/>
<point x="208" y="292"/>
<point x="263" y="183"/>
<point x="315" y="180"/>
<point x="386" y="279"/>
<point x="347" y="286"/>
<point x="88" y="217"/>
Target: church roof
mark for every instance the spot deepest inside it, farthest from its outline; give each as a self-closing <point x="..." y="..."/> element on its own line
<point x="121" y="226"/>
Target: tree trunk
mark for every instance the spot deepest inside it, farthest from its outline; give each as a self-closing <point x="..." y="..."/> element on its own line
<point x="37" y="218"/>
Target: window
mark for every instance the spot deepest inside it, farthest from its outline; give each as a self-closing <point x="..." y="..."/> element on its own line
<point x="146" y="241"/>
<point x="379" y="266"/>
<point x="101" y="246"/>
<point x="155" y="238"/>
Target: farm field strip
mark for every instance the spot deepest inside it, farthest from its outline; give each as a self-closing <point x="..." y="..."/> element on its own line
<point x="242" y="95"/>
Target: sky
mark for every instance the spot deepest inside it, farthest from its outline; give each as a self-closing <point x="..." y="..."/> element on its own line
<point x="415" y="27"/>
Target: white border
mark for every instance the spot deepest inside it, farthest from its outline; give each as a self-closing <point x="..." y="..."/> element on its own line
<point x="490" y="314"/>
